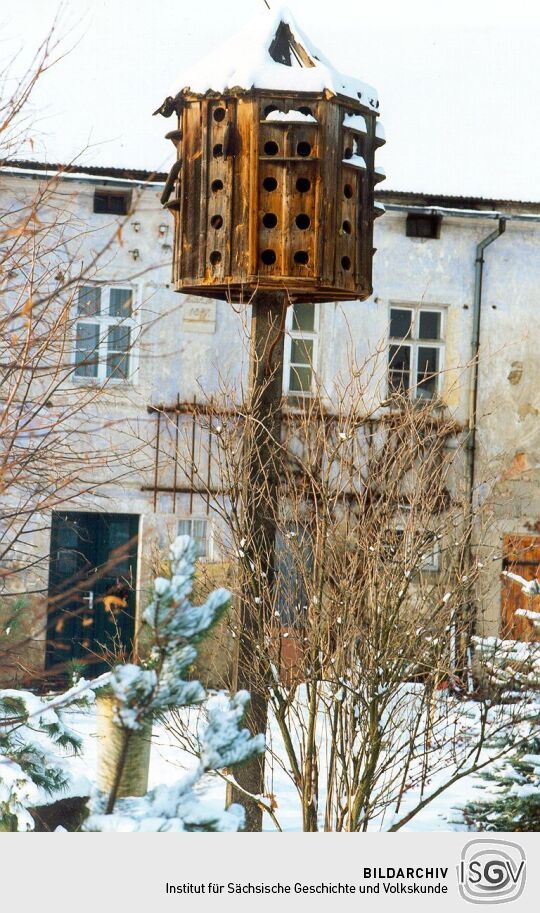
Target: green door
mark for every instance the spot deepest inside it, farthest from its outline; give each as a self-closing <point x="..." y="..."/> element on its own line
<point x="92" y="585"/>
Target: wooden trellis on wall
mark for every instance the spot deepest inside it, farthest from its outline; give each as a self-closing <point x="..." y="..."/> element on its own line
<point x="184" y="459"/>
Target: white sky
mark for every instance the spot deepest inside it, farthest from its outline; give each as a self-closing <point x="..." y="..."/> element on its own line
<point x="459" y="83"/>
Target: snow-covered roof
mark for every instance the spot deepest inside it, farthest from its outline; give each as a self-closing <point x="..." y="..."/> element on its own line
<point x="272" y="53"/>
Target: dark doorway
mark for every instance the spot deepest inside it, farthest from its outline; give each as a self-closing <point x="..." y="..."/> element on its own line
<point x="92" y="584"/>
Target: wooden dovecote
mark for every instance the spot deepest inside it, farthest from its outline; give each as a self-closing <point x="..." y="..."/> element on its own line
<point x="273" y="186"/>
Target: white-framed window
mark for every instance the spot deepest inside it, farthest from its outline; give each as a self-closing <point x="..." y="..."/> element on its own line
<point x="431" y="553"/>
<point x="105" y="332"/>
<point x="429" y="559"/>
<point x="415" y="350"/>
<point x="300" y="356"/>
<point x="200" y="530"/>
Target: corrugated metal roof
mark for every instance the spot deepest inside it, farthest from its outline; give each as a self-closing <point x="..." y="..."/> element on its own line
<point x="457" y="202"/>
<point x="414" y="198"/>
<point x="104" y="171"/>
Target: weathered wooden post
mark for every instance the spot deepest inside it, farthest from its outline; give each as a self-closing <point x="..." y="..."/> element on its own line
<point x="272" y="195"/>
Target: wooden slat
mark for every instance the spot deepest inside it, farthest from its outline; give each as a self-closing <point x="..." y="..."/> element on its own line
<point x="347" y="242"/>
<point x="178" y="264"/>
<point x="204" y="202"/>
<point x="367" y="201"/>
<point x="522" y="549"/>
<point x="302" y="204"/>
<point x="272" y="203"/>
<point x="253" y="194"/>
<point x="191" y="192"/>
<point x="218" y="239"/>
<point x="240" y="265"/>
<point x="330" y="116"/>
<point x="522" y="556"/>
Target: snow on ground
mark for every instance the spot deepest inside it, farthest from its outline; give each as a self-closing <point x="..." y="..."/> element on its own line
<point x="169" y="761"/>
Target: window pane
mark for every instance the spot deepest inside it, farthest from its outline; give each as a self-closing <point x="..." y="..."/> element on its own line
<point x="118" y="339"/>
<point x="199" y="534"/>
<point x="428" y="366"/>
<point x="86" y="350"/>
<point x="200" y="547"/>
<point x="430" y="550"/>
<point x="120" y="302"/>
<point x="430" y="325"/>
<point x="399" y="366"/>
<point x="303" y="317"/>
<point x="300" y="379"/>
<point x="301" y="352"/>
<point x="89" y="301"/>
<point x="118" y="365"/>
<point x="423" y="226"/>
<point x="197" y="529"/>
<point x="400" y="323"/>
<point x="116" y="203"/>
<point x="392" y="542"/>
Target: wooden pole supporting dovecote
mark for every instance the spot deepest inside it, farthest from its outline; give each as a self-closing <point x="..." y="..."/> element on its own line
<point x="263" y="445"/>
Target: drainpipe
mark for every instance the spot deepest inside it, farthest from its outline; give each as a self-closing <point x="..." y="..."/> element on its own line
<point x="475" y="345"/>
<point x="465" y="651"/>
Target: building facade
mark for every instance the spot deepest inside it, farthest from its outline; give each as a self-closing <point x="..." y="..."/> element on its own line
<point x="158" y="354"/>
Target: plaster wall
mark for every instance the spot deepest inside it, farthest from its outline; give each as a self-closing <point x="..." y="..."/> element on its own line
<point x="190" y="347"/>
